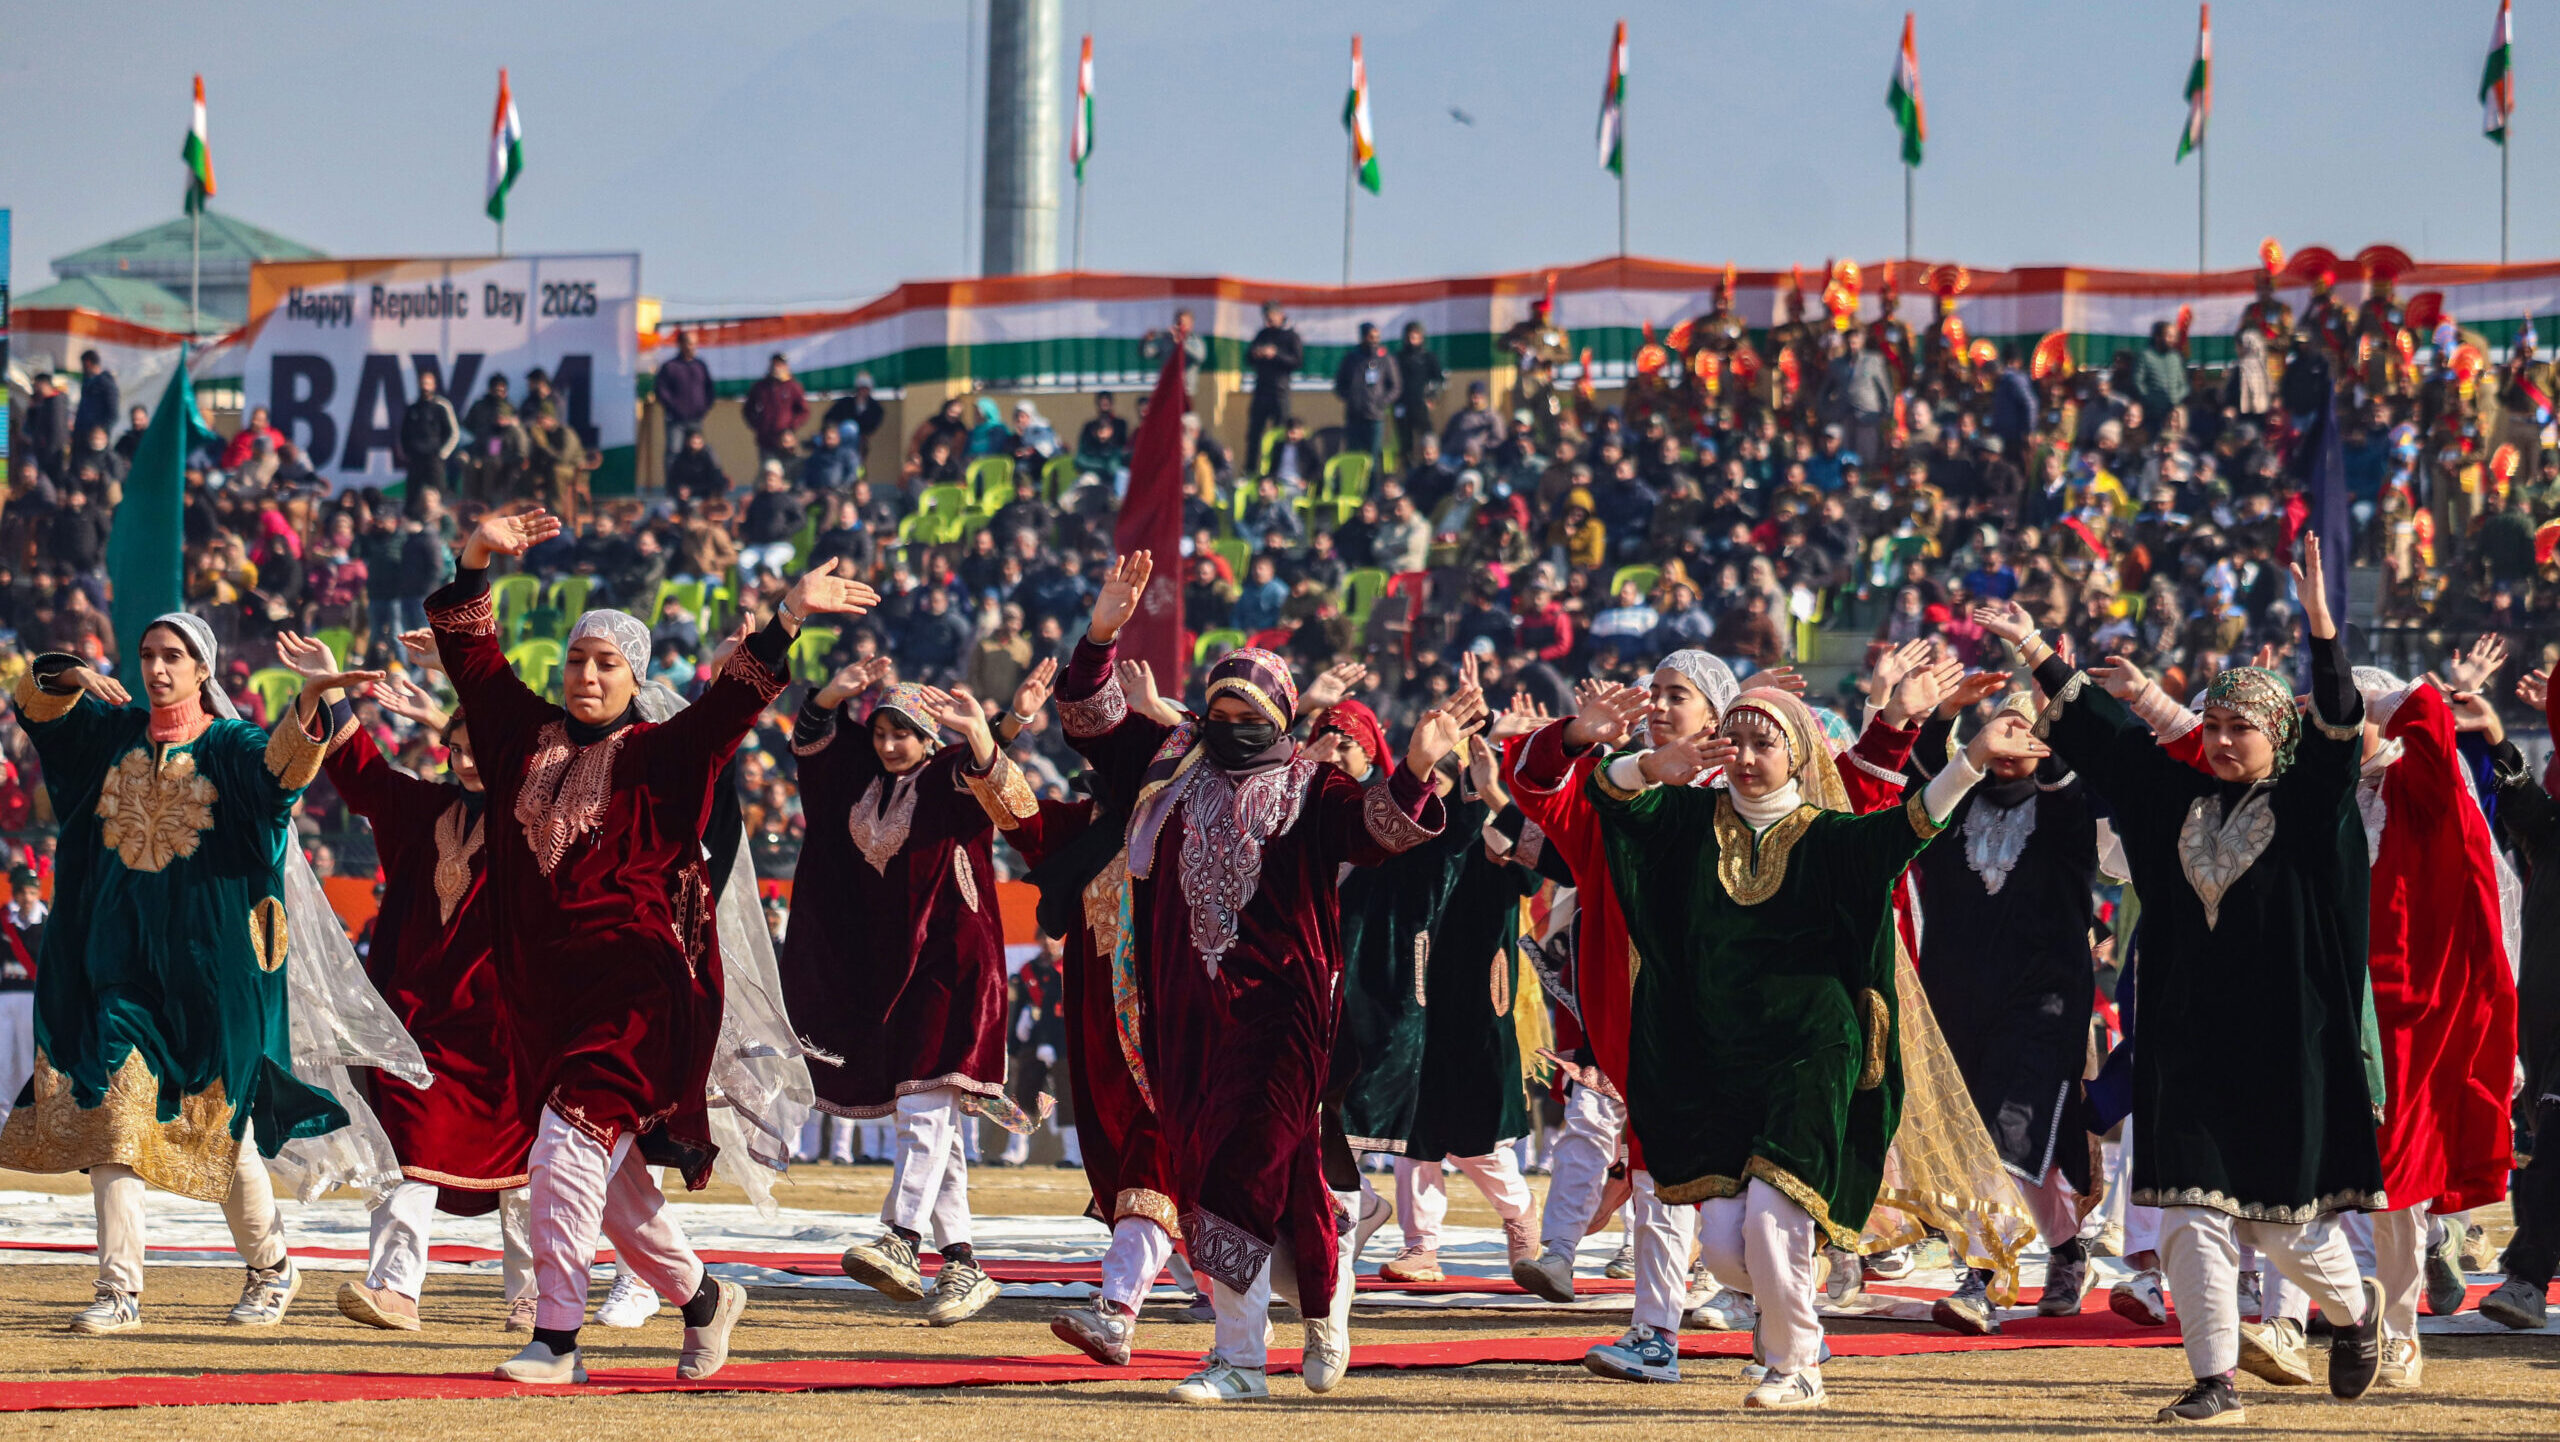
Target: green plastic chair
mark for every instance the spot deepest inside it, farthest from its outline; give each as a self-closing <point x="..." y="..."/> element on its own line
<point x="1058" y="477"/>
<point x="545" y="620"/>
<point x="990" y="476"/>
<point x="536" y="661"/>
<point x="1237" y="551"/>
<point x="944" y="501"/>
<point x="514" y="595"/>
<point x="1216" y="643"/>
<point x="688" y="592"/>
<point x="1361" y="590"/>
<point x="569" y="594"/>
<point x="340" y="641"/>
<point x="1271" y="440"/>
<point x="275" y="687"/>
<point x="1645" y="577"/>
<point x="807" y="657"/>
<point x="1347" y="475"/>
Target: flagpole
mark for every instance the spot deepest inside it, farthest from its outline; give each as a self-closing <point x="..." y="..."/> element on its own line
<point x="1906" y="209"/>
<point x="1622" y="191"/>
<point x="2505" y="144"/>
<point x="2200" y="149"/>
<point x="195" y="269"/>
<point x="1079" y="260"/>
<point x="1350" y="181"/>
<point x="502" y="240"/>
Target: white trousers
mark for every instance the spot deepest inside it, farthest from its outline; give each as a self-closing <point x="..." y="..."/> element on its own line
<point x="1764" y="1243"/>
<point x="1422" y="1192"/>
<point x="257" y="1228"/>
<point x="2200" y="1253"/>
<point x="1579" y="1165"/>
<point x="1664" y="1235"/>
<point x="1138" y="1252"/>
<point x="17" y="1046"/>
<point x="930" y="1192"/>
<point x="403" y="1222"/>
<point x="1244" y="1315"/>
<point x="580" y="1189"/>
<point x="2390" y="1247"/>
<point x="2054" y="1205"/>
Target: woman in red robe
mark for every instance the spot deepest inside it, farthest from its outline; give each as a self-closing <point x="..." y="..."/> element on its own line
<point x="463" y="1142"/>
<point x="607" y="946"/>
<point x="893" y="968"/>
<point x="1235" y="843"/>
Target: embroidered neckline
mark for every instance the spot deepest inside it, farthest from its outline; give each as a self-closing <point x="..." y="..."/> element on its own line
<point x="879" y="822"/>
<point x="1751" y="867"/>
<point x="565" y="791"/>
<point x="459" y="834"/>
<point x="2215" y="850"/>
<point x="1995" y="837"/>
<point x="1225" y="823"/>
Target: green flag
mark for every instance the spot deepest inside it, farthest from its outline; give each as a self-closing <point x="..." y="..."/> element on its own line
<point x="145" y="550"/>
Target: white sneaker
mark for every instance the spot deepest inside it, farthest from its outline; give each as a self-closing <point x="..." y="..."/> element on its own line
<point x="1220" y="1380"/>
<point x="1622" y="1265"/>
<point x="1887" y="1266"/>
<point x="1328" y="1340"/>
<point x="2276" y="1352"/>
<point x="2140" y="1299"/>
<point x="1548" y="1275"/>
<point x="2404" y="1367"/>
<point x="1789" y="1391"/>
<point x="538" y="1366"/>
<point x="706" y="1348"/>
<point x="630" y="1303"/>
<point x="1842" y="1281"/>
<point x="113" y="1311"/>
<point x="961" y="1290"/>
<point x="1726" y="1311"/>
<point x="1758" y="1371"/>
<point x="266" y="1295"/>
<point x="1100" y="1332"/>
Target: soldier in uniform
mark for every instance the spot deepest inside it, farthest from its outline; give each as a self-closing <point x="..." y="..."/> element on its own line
<point x="2326" y="322"/>
<point x="1888" y="334"/>
<point x="1792" y="348"/>
<point x="1721" y="329"/>
<point x="2382" y="365"/>
<point x="1942" y="346"/>
<point x="1540" y="345"/>
<point x="2269" y="315"/>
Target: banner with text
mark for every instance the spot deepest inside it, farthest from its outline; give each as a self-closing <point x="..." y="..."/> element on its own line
<point x="334" y="349"/>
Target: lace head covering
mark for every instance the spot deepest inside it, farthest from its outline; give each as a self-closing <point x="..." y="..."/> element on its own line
<point x="2264" y="700"/>
<point x="2382" y="693"/>
<point x="1712" y="677"/>
<point x="622" y="629"/>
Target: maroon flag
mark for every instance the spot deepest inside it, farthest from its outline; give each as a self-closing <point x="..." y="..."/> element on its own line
<point x="1151" y="520"/>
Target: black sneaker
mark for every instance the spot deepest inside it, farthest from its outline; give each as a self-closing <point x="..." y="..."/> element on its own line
<point x="2355" y="1353"/>
<point x="2066" y="1277"/>
<point x="2212" y="1401"/>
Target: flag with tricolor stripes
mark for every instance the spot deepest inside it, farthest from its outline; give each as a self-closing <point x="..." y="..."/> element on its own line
<point x="2497" y="82"/>
<point x="1080" y="141"/>
<point x="506" y="151"/>
<point x="199" y="158"/>
<point x="2199" y="86"/>
<point x="1355" y="118"/>
<point x="1903" y="97"/>
<point x="1613" y="107"/>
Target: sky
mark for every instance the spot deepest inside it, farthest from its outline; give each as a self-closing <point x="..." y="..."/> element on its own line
<point x="800" y="154"/>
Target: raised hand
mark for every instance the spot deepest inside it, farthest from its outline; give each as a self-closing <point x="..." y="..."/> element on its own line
<point x="304" y="655"/>
<point x="1467" y="707"/>
<point x="2535" y="687"/>
<point x="1332" y="684"/>
<point x="105" y="688"/>
<point x="2311" y="584"/>
<point x="405" y="698"/>
<point x="2005" y="619"/>
<point x="2470" y="671"/>
<point x="1920" y="691"/>
<point x="1779" y="678"/>
<point x="1325" y="749"/>
<point x="1681" y="761"/>
<point x="1434" y="736"/>
<point x="2472" y="712"/>
<point x="852" y="681"/>
<point x="1121" y="587"/>
<point x="1521" y="717"/>
<point x="2266" y="658"/>
<point x="420" y="647"/>
<point x="960" y="711"/>
<point x="1138" y="683"/>
<point x="2009" y="737"/>
<point x="2122" y="679"/>
<point x="1892" y="666"/>
<point x="1972" y="691"/>
<point x="1034" y="691"/>
<point x="828" y="589"/>
<point x="1606" y="718"/>
<point x="499" y="534"/>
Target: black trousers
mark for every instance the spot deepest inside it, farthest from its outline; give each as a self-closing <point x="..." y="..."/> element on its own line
<point x="2535" y="1248"/>
<point x="1270" y="406"/>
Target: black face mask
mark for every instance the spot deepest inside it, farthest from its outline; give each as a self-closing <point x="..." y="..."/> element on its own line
<point x="1234" y="744"/>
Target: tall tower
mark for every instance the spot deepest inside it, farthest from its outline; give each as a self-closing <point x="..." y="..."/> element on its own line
<point x="1020" y="208"/>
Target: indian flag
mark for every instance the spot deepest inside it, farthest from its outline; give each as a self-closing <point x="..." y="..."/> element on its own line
<point x="506" y="151"/>
<point x="2199" y="86"/>
<point x="2497" y="82"/>
<point x="198" y="157"/>
<point x="1355" y="118"/>
<point x="1080" y="143"/>
<point x="1903" y="98"/>
<point x="1613" y="108"/>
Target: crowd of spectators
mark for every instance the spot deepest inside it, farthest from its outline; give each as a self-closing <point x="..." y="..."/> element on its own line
<point x="1776" y="497"/>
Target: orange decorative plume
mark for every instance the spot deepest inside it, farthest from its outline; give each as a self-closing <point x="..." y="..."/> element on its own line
<point x="2313" y="262"/>
<point x="1708" y="367"/>
<point x="1679" y="338"/>
<point x="2544" y="541"/>
<point x="2270" y="256"/>
<point x="2384" y="263"/>
<point x="2468" y="362"/>
<point x="2185" y="322"/>
<point x="1746" y="365"/>
<point x="2426" y="309"/>
<point x="2052" y="356"/>
<point x="1948" y="281"/>
<point x="1983" y="353"/>
<point x="1955" y="334"/>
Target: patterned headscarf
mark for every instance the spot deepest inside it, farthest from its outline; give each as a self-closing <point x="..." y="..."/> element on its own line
<point x="905" y="702"/>
<point x="2264" y="700"/>
<point x="1808" y="750"/>
<point x="1259" y="677"/>
<point x="1712" y="677"/>
<point x="1358" y="722"/>
<point x="622" y="629"/>
<point x="1836" y="730"/>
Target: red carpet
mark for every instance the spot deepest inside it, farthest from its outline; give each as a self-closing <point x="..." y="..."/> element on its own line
<point x="2100" y="1330"/>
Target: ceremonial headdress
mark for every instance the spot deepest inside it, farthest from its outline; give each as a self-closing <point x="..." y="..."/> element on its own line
<point x="1808" y="752"/>
<point x="2264" y="700"/>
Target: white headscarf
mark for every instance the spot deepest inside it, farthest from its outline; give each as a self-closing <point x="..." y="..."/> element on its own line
<point x="336" y="1018"/>
<point x="1713" y="678"/>
<point x="628" y="635"/>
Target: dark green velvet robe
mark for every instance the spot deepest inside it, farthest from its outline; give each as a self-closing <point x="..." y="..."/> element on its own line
<point x="2253" y="1092"/>
<point x="160" y="1025"/>
<point x="1391" y="918"/>
<point x="1764" y="1041"/>
<point x="1472" y="1094"/>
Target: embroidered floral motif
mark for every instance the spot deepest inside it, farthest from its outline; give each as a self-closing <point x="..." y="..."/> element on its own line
<point x="965" y="876"/>
<point x="459" y="834"/>
<point x="1109" y="893"/>
<point x="1878" y="1019"/>
<point x="192" y="1154"/>
<point x="1421" y="967"/>
<point x="2070" y="692"/>
<point x="475" y="617"/>
<point x="1097" y="714"/>
<point x="812" y="742"/>
<point x="1388" y="824"/>
<point x="566" y="789"/>
<point x="151" y="816"/>
<point x="1923" y="825"/>
<point x="1224" y="826"/>
<point x="1753" y="868"/>
<point x="268" y="936"/>
<point x="1155" y="1207"/>
<point x="2349" y="1200"/>
<point x="294" y="755"/>
<point x="743" y="666"/>
<point x="1502" y="983"/>
<point x="2214" y="850"/>
<point x="1004" y="793"/>
<point x="1994" y="838"/>
<point x="1223" y="1250"/>
<point x="881" y="819"/>
<point x="35" y="703"/>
